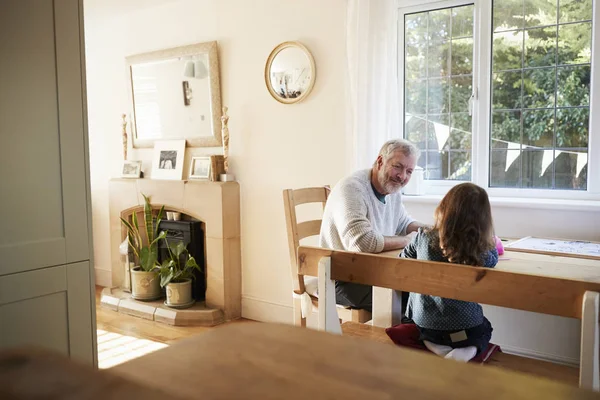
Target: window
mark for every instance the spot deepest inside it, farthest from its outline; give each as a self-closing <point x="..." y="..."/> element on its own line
<point x="438" y="86"/>
<point x="532" y="66"/>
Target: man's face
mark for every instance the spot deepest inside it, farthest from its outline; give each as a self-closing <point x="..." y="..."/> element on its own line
<point x="395" y="173"/>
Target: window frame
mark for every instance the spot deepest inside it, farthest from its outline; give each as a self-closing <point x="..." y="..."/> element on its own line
<point x="482" y="49"/>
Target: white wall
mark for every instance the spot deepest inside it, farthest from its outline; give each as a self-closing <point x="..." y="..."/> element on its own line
<point x="273" y="146"/>
<point x="276" y="146"/>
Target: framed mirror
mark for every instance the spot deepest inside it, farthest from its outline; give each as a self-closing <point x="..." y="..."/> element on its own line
<point x="176" y="94"/>
<point x="290" y="72"/>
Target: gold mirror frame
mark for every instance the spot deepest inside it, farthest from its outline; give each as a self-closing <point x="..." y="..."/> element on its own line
<point x="209" y="48"/>
<point x="313" y="70"/>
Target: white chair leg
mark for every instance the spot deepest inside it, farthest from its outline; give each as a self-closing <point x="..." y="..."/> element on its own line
<point x="299" y="320"/>
<point x="387" y="307"/>
<point x="328" y="316"/>
<point x="589" y="371"/>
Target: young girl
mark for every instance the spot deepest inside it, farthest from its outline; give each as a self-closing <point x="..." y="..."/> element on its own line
<point x="463" y="233"/>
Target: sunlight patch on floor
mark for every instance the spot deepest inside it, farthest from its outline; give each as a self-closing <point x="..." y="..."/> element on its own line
<point x="114" y="349"/>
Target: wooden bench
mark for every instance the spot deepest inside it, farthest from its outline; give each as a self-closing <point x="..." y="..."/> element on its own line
<point x="541" y="294"/>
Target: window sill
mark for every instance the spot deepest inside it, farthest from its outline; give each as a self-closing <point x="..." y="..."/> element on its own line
<point x="517" y="202"/>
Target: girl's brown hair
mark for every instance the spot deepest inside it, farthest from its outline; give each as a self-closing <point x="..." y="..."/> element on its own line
<point x="464" y="226"/>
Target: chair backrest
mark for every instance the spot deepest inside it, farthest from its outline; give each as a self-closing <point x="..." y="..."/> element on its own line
<point x="299" y="230"/>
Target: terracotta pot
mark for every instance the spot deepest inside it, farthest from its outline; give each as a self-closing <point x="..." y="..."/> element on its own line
<point x="180" y="293"/>
<point x="145" y="285"/>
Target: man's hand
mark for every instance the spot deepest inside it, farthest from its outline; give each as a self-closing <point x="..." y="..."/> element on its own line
<point x="414" y="226"/>
<point x="397" y="242"/>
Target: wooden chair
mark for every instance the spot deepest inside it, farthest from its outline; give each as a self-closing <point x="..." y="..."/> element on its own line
<point x="298" y="231"/>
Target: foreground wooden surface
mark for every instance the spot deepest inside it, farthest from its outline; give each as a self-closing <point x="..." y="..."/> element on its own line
<point x="275" y="361"/>
<point x="557" y="372"/>
<point x="35" y="374"/>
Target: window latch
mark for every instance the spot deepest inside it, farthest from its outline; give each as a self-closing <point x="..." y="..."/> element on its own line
<point x="471" y="100"/>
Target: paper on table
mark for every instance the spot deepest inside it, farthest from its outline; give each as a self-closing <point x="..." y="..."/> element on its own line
<point x="575" y="247"/>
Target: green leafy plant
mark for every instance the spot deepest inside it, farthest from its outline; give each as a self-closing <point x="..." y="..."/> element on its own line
<point x="173" y="269"/>
<point x="145" y="253"/>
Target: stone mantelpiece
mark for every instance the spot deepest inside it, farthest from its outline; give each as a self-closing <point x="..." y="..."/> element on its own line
<point x="216" y="204"/>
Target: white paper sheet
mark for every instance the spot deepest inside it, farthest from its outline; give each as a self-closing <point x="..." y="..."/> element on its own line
<point x="577" y="247"/>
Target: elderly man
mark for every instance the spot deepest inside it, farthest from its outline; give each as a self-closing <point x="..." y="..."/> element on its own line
<point x="364" y="213"/>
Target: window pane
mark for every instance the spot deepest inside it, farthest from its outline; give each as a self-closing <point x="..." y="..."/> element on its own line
<point x="573" y="126"/>
<point x="540" y="12"/>
<point x="416" y="130"/>
<point x="506" y="168"/>
<point x="460" y="92"/>
<point x="538" y="128"/>
<point x="462" y="56"/>
<point x="462" y="22"/>
<point x="506" y="90"/>
<point x="539" y="86"/>
<point x="460" y="165"/>
<point x="573" y="86"/>
<point x="438" y="131"/>
<point x="537" y="168"/>
<point x="439" y="25"/>
<point x="507" y="51"/>
<point x="540" y="93"/>
<point x="434" y="166"/>
<point x="460" y="132"/>
<point x="416" y="96"/>
<point x="436" y="108"/>
<point x="438" y="101"/>
<point x="571" y="170"/>
<point x="540" y="47"/>
<point x="414" y="66"/>
<point x="574" y="43"/>
<point x="506" y="129"/>
<point x="575" y="10"/>
<point x="438" y="55"/>
<point x="507" y="15"/>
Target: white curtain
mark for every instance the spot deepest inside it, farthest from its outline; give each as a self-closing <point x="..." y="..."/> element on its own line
<point x="374" y="113"/>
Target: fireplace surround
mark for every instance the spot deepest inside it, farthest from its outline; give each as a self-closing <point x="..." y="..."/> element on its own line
<point x="216" y="205"/>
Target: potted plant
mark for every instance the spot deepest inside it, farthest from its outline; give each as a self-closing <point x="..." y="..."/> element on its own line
<point x="176" y="274"/>
<point x="144" y="275"/>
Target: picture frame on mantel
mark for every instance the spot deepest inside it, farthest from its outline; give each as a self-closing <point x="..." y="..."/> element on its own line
<point x="206" y="168"/>
<point x="200" y="168"/>
<point x="167" y="161"/>
<point x="131" y="169"/>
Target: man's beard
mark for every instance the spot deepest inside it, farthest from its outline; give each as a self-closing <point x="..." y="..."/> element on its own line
<point x="389" y="185"/>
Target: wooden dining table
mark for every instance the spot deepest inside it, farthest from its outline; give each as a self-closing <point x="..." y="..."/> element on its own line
<point x="387" y="307"/>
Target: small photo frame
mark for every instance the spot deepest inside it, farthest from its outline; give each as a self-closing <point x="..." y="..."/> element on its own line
<point x="131" y="169"/>
<point x="167" y="161"/>
<point x="200" y="168"/>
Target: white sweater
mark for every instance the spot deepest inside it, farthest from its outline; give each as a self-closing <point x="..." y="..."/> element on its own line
<point x="355" y="220"/>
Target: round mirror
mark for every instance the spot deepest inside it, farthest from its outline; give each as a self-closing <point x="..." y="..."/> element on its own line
<point x="290" y="72"/>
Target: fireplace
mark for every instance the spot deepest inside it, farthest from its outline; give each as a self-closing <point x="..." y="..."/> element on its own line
<point x="211" y="207"/>
<point x="192" y="236"/>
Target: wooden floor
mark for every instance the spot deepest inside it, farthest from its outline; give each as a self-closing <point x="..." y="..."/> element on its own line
<point x="123" y="337"/>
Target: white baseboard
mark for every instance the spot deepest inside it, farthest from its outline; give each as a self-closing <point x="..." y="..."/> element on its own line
<point x="264" y="311"/>
<point x="572" y="362"/>
<point x="103" y="277"/>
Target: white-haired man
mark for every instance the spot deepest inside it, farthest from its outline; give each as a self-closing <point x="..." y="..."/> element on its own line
<point x="364" y="213"/>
